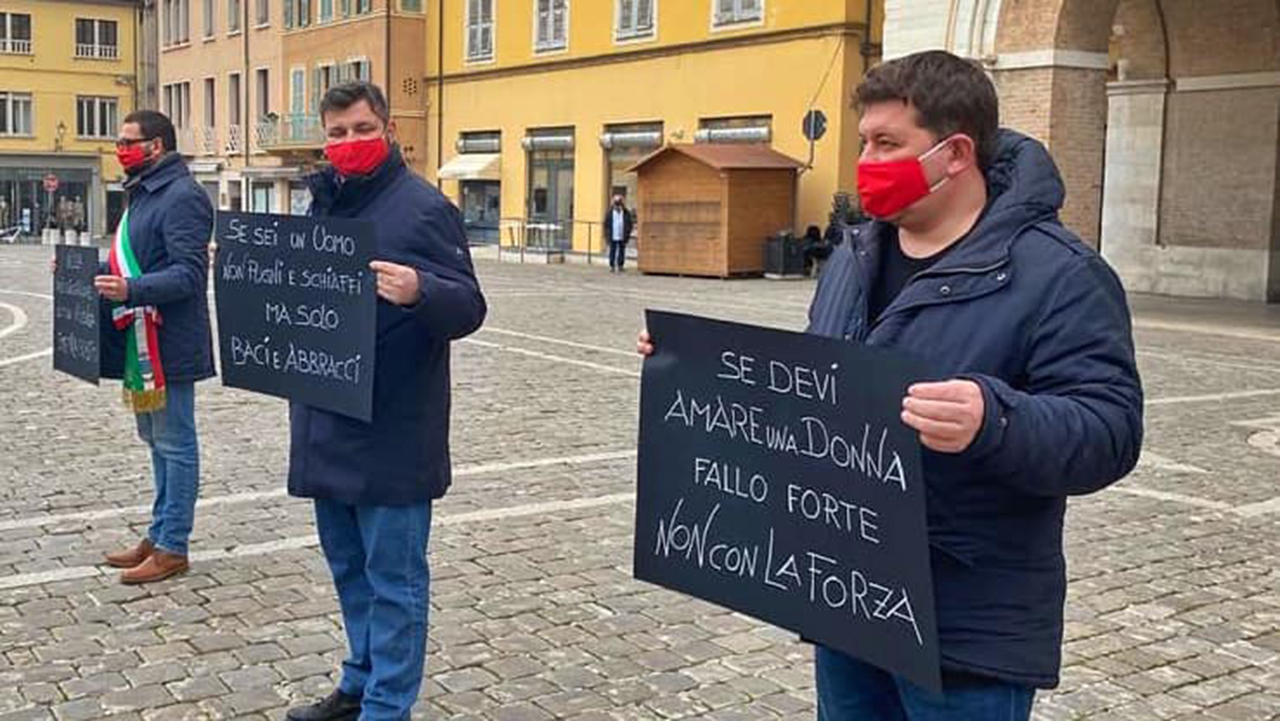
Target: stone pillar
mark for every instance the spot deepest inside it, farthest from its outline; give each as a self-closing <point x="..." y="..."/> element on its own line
<point x="1131" y="189"/>
<point x="1059" y="97"/>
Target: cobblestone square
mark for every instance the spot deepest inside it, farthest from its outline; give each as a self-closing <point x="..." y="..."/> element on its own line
<point x="1173" y="609"/>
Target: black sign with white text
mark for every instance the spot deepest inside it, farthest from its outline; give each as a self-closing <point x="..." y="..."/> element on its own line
<point x="75" y="313"/>
<point x="297" y="307"/>
<point x="777" y="479"/>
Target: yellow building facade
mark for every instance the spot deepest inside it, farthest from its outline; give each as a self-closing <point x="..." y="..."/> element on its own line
<point x="68" y="75"/>
<point x="537" y="108"/>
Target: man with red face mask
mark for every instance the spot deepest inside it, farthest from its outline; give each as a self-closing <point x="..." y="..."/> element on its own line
<point x="1033" y="394"/>
<point x="373" y="483"/>
<point x="156" y="331"/>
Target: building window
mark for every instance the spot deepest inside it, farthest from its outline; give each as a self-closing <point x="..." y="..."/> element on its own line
<point x="479" y="29"/>
<point x="323" y="78"/>
<point x="743" y="129"/>
<point x="209" y="22"/>
<point x="732" y="12"/>
<point x="298" y="91"/>
<point x="96" y="117"/>
<point x="234" y="11"/>
<point x="15" y="33"/>
<point x="326" y="11"/>
<point x="411" y="6"/>
<point x="97" y="39"/>
<point x="263" y="83"/>
<point x="177" y="103"/>
<point x="210" y="102"/>
<point x="364" y="6"/>
<point x="176" y="22"/>
<point x="15" y="113"/>
<point x="260" y="197"/>
<point x="552" y="25"/>
<point x="297" y="13"/>
<point x="263" y="18"/>
<point x="358" y="69"/>
<point x="234" y="99"/>
<point x="635" y="19"/>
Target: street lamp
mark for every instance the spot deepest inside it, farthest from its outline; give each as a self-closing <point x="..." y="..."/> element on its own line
<point x="58" y="137"/>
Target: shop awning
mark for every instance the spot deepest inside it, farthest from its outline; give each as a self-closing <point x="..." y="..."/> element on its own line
<point x="473" y="166"/>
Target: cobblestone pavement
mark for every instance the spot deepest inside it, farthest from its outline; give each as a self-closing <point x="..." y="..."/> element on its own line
<point x="1173" y="609"/>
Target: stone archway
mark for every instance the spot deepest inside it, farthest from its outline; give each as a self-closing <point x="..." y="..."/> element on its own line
<point x="1176" y="103"/>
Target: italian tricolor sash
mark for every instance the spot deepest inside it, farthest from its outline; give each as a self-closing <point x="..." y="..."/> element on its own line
<point x="143" y="374"/>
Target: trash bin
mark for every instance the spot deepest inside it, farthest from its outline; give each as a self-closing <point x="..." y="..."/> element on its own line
<point x="784" y="256"/>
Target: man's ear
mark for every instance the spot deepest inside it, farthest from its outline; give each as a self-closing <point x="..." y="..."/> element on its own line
<point x="392" y="131"/>
<point x="963" y="154"/>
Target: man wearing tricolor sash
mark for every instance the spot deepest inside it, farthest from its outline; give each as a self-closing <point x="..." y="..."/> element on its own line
<point x="157" y="341"/>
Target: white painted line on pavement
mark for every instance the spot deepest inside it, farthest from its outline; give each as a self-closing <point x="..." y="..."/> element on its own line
<point x="1261" y="508"/>
<point x="1202" y="330"/>
<point x="21" y="580"/>
<point x="19" y="320"/>
<point x="248" y="497"/>
<point x="30" y="356"/>
<point x="1164" y="463"/>
<point x="572" y="344"/>
<point x="1236" y="395"/>
<point x="1174" y="498"/>
<point x="41" y="296"/>
<point x="548" y="356"/>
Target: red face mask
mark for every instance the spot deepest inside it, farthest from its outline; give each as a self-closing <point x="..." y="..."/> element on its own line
<point x="132" y="157"/>
<point x="358" y="157"/>
<point x="888" y="188"/>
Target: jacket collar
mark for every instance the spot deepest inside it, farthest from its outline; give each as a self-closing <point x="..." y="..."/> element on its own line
<point x="333" y="194"/>
<point x="1023" y="188"/>
<point x="166" y="170"/>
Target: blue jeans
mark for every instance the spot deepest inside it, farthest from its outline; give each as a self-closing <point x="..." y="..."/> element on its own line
<point x="175" y="464"/>
<point x="850" y="690"/>
<point x="378" y="557"/>
<point x="617" y="255"/>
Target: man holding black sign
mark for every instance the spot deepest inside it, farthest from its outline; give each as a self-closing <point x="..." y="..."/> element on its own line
<point x="968" y="266"/>
<point x="154" y="287"/>
<point x="373" y="483"/>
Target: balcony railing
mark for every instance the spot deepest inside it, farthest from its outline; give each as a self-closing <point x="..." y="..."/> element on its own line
<point x="295" y="131"/>
<point x="91" y="50"/>
<point x="207" y="140"/>
<point x="235" y="140"/>
<point x="15" y="47"/>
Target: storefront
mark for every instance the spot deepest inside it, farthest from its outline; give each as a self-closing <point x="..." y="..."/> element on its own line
<point x="77" y="203"/>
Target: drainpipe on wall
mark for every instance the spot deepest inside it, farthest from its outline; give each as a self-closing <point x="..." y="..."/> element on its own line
<point x="439" y="90"/>
<point x="387" y="49"/>
<point x="245" y="77"/>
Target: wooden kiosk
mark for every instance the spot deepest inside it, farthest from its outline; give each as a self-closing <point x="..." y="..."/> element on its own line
<point x="707" y="209"/>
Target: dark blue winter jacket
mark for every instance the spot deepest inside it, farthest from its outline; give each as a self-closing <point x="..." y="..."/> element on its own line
<point x="1040" y="322"/>
<point x="170" y="224"/>
<point x="402" y="456"/>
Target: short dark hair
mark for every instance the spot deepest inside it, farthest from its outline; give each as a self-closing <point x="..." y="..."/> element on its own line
<point x="341" y="97"/>
<point x="155" y="124"/>
<point x="949" y="94"/>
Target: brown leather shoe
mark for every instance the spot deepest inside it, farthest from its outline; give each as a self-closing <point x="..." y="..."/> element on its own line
<point x="131" y="557"/>
<point x="158" y="566"/>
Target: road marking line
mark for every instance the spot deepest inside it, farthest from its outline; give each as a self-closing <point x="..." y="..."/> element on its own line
<point x="248" y="497"/>
<point x="30" y="356"/>
<point x="1194" y="328"/>
<point x="19" y="320"/>
<point x="572" y="344"/>
<point x="308" y="541"/>
<point x="1213" y="397"/>
<point x="550" y="357"/>
<point x="1164" y="463"/>
<point x="1175" y="498"/>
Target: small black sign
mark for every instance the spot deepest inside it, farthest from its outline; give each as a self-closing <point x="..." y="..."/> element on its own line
<point x="815" y="125"/>
<point x="297" y="307"/>
<point x="75" y="313"/>
<point x="777" y="479"/>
